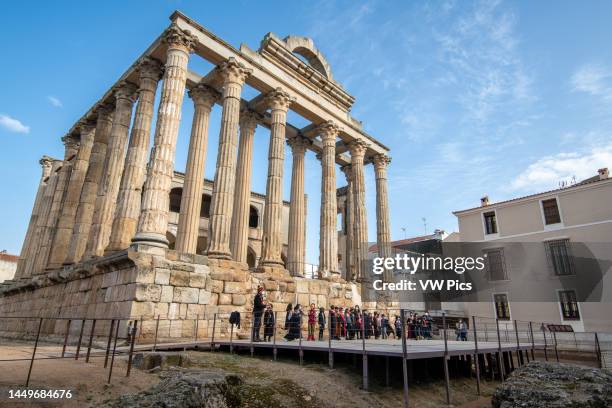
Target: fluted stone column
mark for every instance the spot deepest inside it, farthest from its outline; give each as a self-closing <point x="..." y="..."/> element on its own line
<point x="41" y="224"/>
<point x="279" y="102"/>
<point x="108" y="189"/>
<point x="350" y="221"/>
<point x="87" y="201"/>
<point x="297" y="208"/>
<point x="360" y="228"/>
<point x="135" y="167"/>
<point x="383" y="233"/>
<point x="203" y="98"/>
<point x="222" y="202"/>
<point x="328" y="238"/>
<point x="239" y="234"/>
<point x="153" y="221"/>
<point x="26" y="249"/>
<point x="71" y="144"/>
<point x="65" y="224"/>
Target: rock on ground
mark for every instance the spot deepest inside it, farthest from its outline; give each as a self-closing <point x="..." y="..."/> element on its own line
<point x="547" y="385"/>
<point x="177" y="389"/>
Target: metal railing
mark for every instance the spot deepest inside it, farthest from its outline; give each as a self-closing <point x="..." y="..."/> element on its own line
<point x="492" y="345"/>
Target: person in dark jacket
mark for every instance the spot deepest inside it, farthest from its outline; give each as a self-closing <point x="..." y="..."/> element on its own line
<point x="427" y="326"/>
<point x="398" y="327"/>
<point x="337" y="329"/>
<point x="367" y="322"/>
<point x="268" y="321"/>
<point x="376" y="325"/>
<point x="259" y="305"/>
<point x="288" y="313"/>
<point x="321" y="319"/>
<point x="384" y="322"/>
<point x="294" y="323"/>
<point x="348" y="317"/>
<point x="358" y="322"/>
<point x="341" y="322"/>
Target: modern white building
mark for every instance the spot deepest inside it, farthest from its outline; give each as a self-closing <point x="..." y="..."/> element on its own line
<point x="8" y="265"/>
<point x="554" y="221"/>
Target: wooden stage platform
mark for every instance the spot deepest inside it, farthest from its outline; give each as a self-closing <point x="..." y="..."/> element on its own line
<point x="416" y="349"/>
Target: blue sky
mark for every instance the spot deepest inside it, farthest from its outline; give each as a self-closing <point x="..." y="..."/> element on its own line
<point x="473" y="98"/>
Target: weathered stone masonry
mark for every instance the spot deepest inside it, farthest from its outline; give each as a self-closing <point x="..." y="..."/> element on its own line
<point x="97" y="245"/>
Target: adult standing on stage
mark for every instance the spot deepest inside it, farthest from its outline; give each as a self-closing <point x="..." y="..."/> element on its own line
<point x="259" y="304"/>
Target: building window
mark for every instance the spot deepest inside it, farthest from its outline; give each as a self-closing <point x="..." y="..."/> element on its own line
<point x="490" y="222"/>
<point x="496" y="264"/>
<point x="175" y="199"/>
<point x="502" y="307"/>
<point x="559" y="257"/>
<point x="253" y="217"/>
<point x="569" y="306"/>
<point x="205" y="207"/>
<point x="551" y="211"/>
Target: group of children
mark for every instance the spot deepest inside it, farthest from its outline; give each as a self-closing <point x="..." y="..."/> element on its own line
<point x="347" y="323"/>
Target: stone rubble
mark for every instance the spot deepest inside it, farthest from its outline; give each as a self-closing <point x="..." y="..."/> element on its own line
<point x="548" y="385"/>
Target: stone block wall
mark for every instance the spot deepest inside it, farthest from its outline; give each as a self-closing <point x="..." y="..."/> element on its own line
<point x="142" y="285"/>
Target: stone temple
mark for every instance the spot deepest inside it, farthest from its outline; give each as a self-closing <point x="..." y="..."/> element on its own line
<point x="116" y="232"/>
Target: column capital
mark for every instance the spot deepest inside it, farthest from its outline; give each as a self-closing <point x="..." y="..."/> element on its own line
<point x="150" y="68"/>
<point x="358" y="148"/>
<point x="249" y="119"/>
<point x="328" y="131"/>
<point x="71" y="146"/>
<point x="298" y="143"/>
<point x="381" y="161"/>
<point x="233" y="71"/>
<point x="125" y="90"/>
<point x="104" y="111"/>
<point x="203" y="96"/>
<point x="46" y="162"/>
<point x="178" y="38"/>
<point x="86" y="127"/>
<point x="70" y="141"/>
<point x="278" y="99"/>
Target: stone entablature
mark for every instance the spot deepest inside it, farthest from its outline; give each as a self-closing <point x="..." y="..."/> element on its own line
<point x="318" y="77"/>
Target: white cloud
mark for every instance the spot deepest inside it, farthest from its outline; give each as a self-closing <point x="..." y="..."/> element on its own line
<point x="547" y="172"/>
<point x="55" y="101"/>
<point x="13" y="125"/>
<point x="593" y="79"/>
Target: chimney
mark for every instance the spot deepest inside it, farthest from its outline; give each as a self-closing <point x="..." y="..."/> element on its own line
<point x="484" y="201"/>
<point x="603" y="173"/>
<point x="440" y="234"/>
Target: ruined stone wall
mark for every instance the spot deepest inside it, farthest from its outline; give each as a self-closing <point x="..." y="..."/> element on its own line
<point x="177" y="287"/>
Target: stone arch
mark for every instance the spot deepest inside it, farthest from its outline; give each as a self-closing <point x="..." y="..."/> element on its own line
<point x="305" y="47"/>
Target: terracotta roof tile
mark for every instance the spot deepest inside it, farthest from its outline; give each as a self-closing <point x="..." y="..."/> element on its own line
<point x="8" y="257"/>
